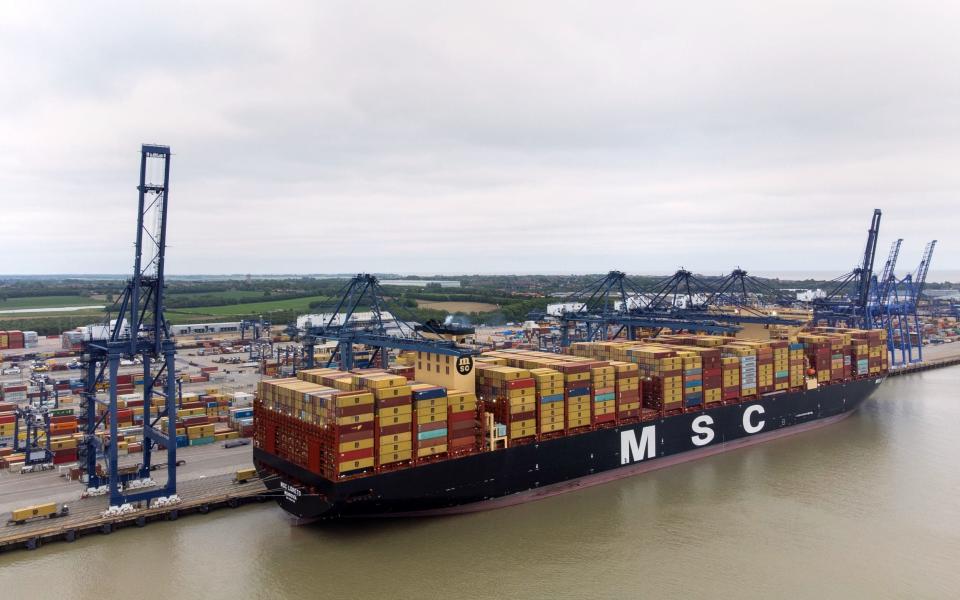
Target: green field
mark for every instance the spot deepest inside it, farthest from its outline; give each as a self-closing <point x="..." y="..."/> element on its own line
<point x="47" y="302"/>
<point x="228" y="295"/>
<point x="234" y="311"/>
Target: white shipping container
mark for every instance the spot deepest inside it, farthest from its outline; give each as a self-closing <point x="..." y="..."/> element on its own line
<point x="242" y="399"/>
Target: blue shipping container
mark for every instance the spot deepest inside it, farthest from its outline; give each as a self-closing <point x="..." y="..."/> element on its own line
<point x="429" y="435"/>
<point x="430" y="394"/>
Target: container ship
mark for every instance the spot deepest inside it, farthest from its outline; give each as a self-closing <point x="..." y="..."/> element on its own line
<point x="510" y="426"/>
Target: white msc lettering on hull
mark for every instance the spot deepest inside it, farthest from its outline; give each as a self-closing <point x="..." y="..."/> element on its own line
<point x="748" y="426"/>
<point x="701" y="427"/>
<point x="632" y="451"/>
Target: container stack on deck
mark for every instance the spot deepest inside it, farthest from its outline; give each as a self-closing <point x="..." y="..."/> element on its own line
<point x="603" y="380"/>
<point x="465" y="430"/>
<point x="576" y="393"/>
<point x="510" y="394"/>
<point x="627" y="386"/>
<point x="349" y="423"/>
<point x="550" y="402"/>
<point x="432" y="426"/>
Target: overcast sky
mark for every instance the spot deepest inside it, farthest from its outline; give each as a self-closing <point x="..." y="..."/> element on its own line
<point x="445" y="137"/>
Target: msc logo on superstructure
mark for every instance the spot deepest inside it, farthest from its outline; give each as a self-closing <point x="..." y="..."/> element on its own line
<point x="464" y="364"/>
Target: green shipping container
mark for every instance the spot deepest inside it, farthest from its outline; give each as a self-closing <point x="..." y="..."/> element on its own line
<point x="203" y="440"/>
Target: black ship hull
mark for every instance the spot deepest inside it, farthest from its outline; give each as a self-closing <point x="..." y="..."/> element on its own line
<point x="528" y="472"/>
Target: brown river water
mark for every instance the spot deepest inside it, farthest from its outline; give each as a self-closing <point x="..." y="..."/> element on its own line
<point x="865" y="508"/>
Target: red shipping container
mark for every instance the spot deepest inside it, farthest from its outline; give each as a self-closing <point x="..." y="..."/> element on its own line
<point x="64" y="456"/>
<point x="463" y="442"/>
<point x="355" y="454"/>
<point x="394" y="429"/>
<point x="392" y="402"/>
<point x="431" y="426"/>
<point x="431" y="442"/>
<point x="455" y="417"/>
<point x="518" y="384"/>
<point x="464" y="425"/>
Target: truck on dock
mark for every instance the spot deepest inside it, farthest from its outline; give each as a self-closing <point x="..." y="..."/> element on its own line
<point x="19" y="516"/>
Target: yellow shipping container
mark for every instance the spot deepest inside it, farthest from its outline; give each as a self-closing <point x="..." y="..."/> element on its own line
<point x="551" y="419"/>
<point x="364" y="418"/>
<point x="523" y="408"/>
<point x="431" y="410"/>
<point x="431" y="418"/>
<point x="29" y="512"/>
<point x="525" y="424"/>
<point x="468" y="407"/>
<point x="396" y="420"/>
<point x="395" y="457"/>
<point x="435" y="402"/>
<point x="387" y="393"/>
<point x="395" y="437"/>
<point x="548" y="427"/>
<point x="406" y="409"/>
<point x="431" y="450"/>
<point x="397" y="447"/>
<point x="360" y="444"/>
<point x="522" y="432"/>
<point x="352" y="465"/>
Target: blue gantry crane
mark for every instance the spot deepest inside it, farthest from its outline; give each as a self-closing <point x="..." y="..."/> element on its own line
<point x="901" y="308"/>
<point x="846" y="303"/>
<point x="363" y="293"/>
<point x="140" y="329"/>
<point x="616" y="304"/>
<point x="684" y="295"/>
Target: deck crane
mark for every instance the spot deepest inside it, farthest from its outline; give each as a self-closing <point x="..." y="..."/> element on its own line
<point x="847" y="302"/>
<point x="364" y="292"/>
<point x="140" y="329"/>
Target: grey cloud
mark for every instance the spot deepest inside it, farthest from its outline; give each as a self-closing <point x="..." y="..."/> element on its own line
<point x="418" y="137"/>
